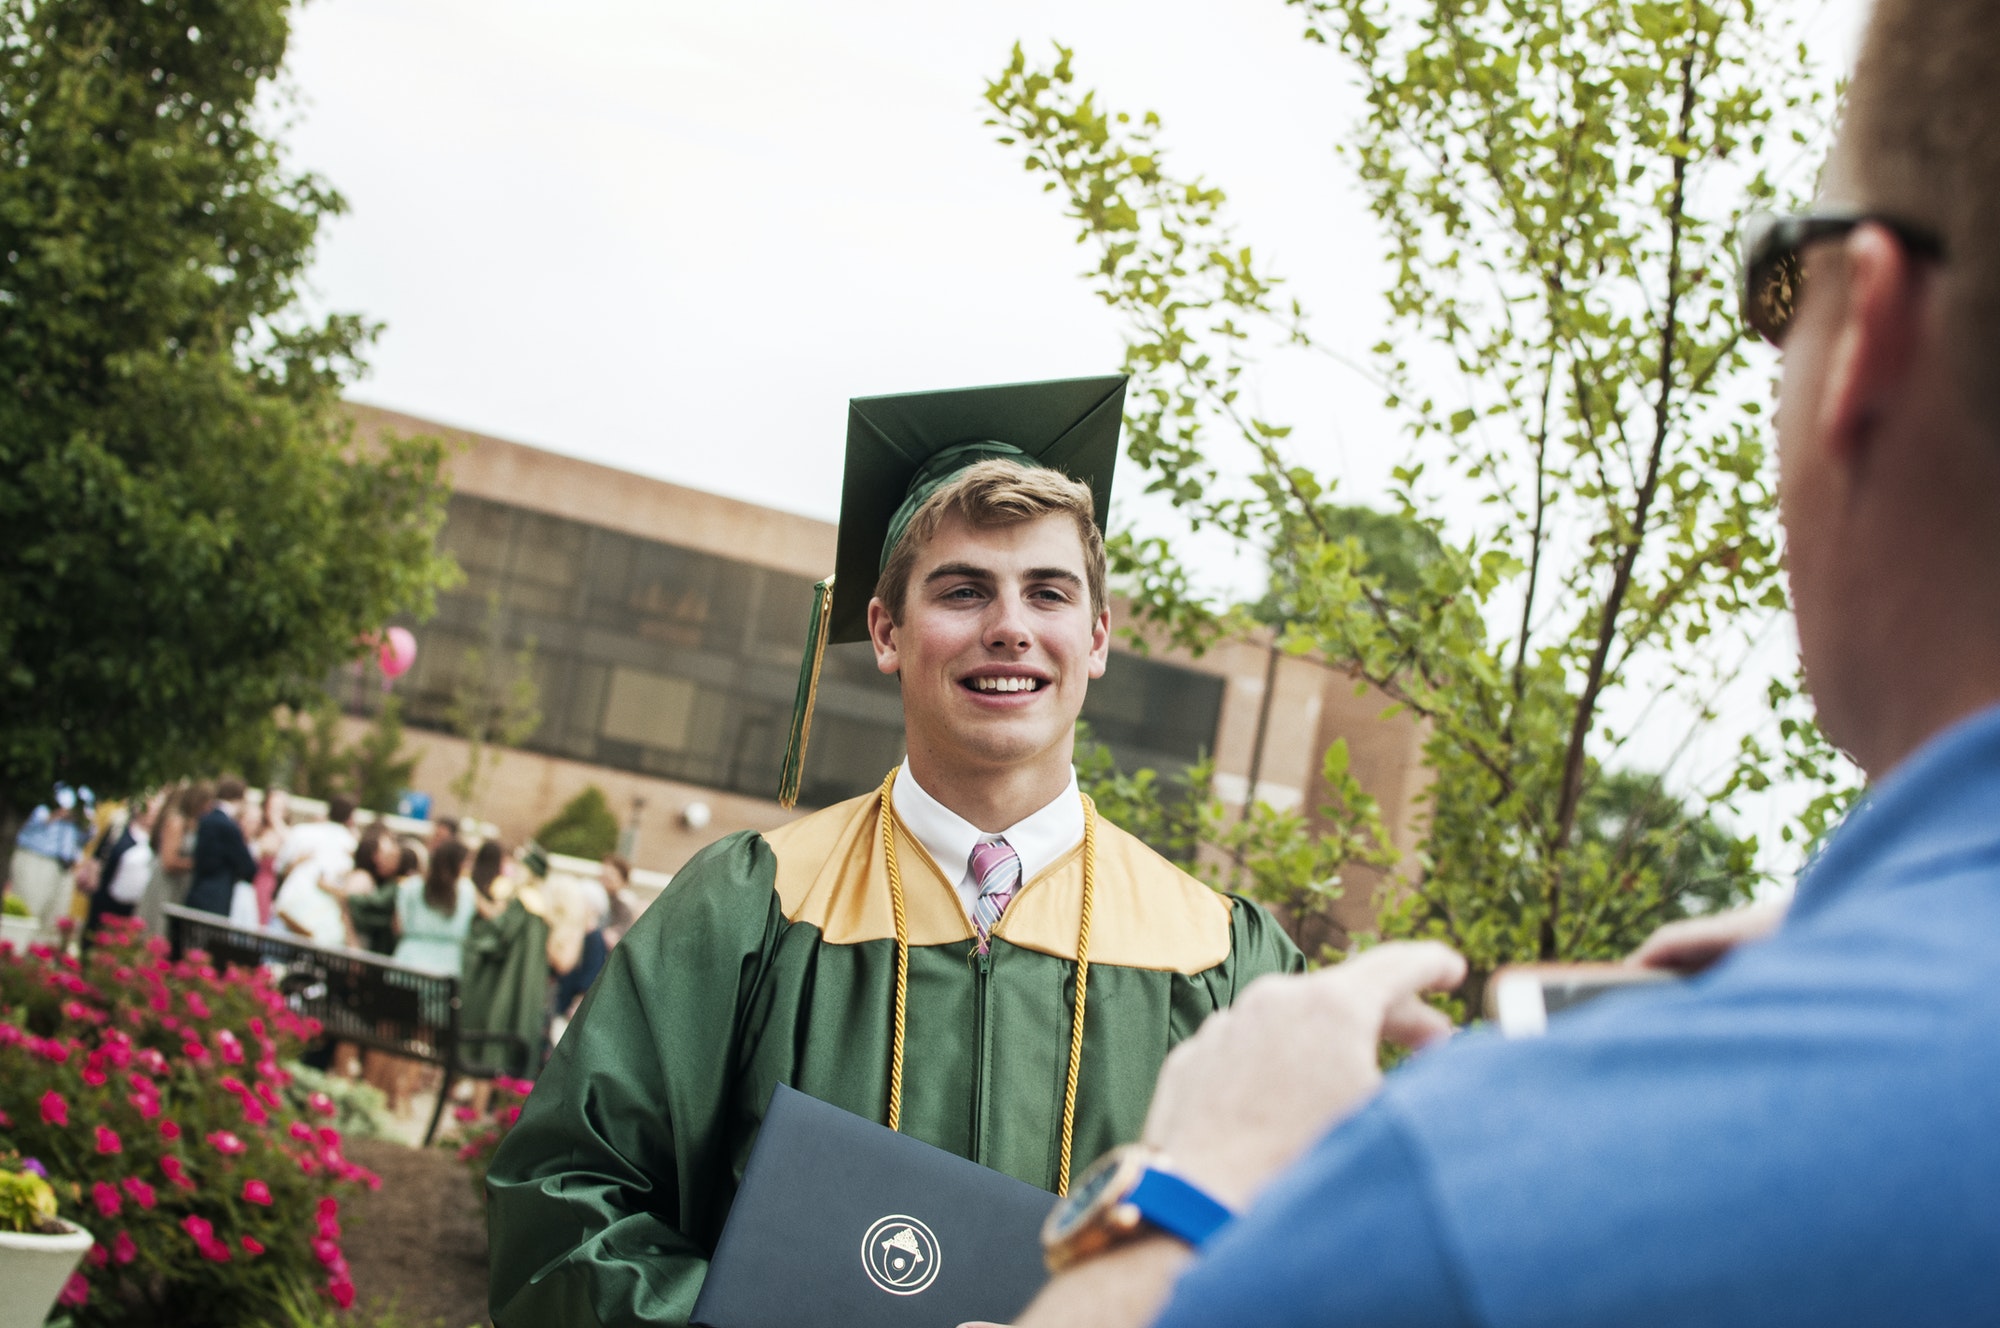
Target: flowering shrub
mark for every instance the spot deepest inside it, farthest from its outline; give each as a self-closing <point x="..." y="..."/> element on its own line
<point x="155" y="1090"/>
<point x="481" y="1137"/>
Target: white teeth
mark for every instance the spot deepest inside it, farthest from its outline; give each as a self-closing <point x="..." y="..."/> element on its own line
<point x="1003" y="684"/>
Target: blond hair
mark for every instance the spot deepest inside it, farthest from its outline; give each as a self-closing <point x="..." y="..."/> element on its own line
<point x="997" y="493"/>
<point x="1922" y="139"/>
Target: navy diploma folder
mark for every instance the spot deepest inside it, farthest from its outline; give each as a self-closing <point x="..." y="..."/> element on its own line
<point x="841" y="1222"/>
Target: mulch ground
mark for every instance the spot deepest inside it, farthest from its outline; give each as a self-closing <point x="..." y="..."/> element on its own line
<point x="417" y="1245"/>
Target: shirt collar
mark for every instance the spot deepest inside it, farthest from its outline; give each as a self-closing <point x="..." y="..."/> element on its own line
<point x="1039" y="838"/>
<point x="1939" y="804"/>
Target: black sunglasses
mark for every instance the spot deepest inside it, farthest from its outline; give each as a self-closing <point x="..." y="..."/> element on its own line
<point x="1772" y="276"/>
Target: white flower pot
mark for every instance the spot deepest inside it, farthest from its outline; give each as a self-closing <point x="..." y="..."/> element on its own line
<point x="33" y="1270"/>
<point x="21" y="931"/>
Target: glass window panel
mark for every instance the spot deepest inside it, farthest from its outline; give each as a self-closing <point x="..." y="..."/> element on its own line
<point x="478" y="533"/>
<point x="649" y="709"/>
<point x="548" y="551"/>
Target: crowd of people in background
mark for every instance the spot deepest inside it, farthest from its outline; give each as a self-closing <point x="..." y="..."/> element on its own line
<point x="526" y="944"/>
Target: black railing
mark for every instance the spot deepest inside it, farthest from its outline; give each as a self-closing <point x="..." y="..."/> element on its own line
<point x="356" y="996"/>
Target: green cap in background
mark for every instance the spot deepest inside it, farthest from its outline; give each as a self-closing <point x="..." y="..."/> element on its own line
<point x="900" y="450"/>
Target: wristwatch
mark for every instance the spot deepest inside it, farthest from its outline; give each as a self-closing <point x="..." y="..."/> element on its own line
<point x="1130" y="1187"/>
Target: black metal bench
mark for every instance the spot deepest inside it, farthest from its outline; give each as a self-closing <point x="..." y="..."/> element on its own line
<point x="356" y="996"/>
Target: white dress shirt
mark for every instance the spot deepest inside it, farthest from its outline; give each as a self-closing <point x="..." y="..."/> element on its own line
<point x="1039" y="838"/>
<point x="135" y="869"/>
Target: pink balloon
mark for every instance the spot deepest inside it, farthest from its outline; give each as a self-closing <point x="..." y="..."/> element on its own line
<point x="398" y="652"/>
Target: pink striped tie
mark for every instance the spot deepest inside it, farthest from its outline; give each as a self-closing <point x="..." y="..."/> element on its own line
<point x="997" y="868"/>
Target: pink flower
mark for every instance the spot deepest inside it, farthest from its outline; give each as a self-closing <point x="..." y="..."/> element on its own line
<point x="151" y="1061"/>
<point x="300" y="1130"/>
<point x="329" y="1136"/>
<point x="98" y="1256"/>
<point x="123" y="1251"/>
<point x="139" y="1191"/>
<point x="105" y="1195"/>
<point x="231" y="1049"/>
<point x="55" y="1111"/>
<point x="107" y="1141"/>
<point x="342" y="1292"/>
<point x="94" y="1076"/>
<point x="321" y="1104"/>
<point x="253" y="1111"/>
<point x="215" y="1250"/>
<point x="196" y="1005"/>
<point x="6" y="1121"/>
<point x="145" y="1104"/>
<point x="507" y="1115"/>
<point x="256" y="1192"/>
<point x="463" y="1114"/>
<point x="75" y="1292"/>
<point x="195" y="1052"/>
<point x="252" y="1246"/>
<point x="222" y="1141"/>
<point x="169" y="1130"/>
<point x="507" y="1085"/>
<point x="325" y="1249"/>
<point x="171" y="1165"/>
<point x="257" y="1025"/>
<point x="200" y="1228"/>
<point x="329" y="1207"/>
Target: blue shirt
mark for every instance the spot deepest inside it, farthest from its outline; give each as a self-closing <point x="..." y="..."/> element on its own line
<point x="1807" y="1134"/>
<point x="44" y="834"/>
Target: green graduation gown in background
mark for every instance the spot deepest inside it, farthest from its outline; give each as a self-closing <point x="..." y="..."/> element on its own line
<point x="771" y="959"/>
<point x="505" y="985"/>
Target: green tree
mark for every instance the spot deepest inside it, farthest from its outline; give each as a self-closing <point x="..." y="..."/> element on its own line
<point x="301" y="749"/>
<point x="381" y="769"/>
<point x="1558" y="185"/>
<point x="495" y="702"/>
<point x="193" y="537"/>
<point x="1269" y="854"/>
<point x="584" y="828"/>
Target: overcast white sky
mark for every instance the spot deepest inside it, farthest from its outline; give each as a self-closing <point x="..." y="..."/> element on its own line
<point x="675" y="237"/>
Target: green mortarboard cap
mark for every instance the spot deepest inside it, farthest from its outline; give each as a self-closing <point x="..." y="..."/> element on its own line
<point x="901" y="449"/>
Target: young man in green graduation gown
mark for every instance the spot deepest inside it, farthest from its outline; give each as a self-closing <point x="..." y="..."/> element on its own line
<point x="911" y="955"/>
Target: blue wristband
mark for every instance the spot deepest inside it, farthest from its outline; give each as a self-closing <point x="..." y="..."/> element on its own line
<point x="1177" y="1207"/>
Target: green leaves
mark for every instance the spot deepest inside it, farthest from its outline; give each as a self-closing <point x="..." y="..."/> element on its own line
<point x="1557" y="186"/>
<point x="195" y="535"/>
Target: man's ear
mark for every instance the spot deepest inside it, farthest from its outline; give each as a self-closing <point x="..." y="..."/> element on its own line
<point x="1875" y="343"/>
<point x="882" y="635"/>
<point x="1100" y="644"/>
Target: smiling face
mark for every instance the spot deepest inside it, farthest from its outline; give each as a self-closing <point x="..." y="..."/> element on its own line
<point x="995" y="644"/>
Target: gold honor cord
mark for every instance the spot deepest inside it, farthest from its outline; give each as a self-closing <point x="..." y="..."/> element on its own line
<point x="903" y="974"/>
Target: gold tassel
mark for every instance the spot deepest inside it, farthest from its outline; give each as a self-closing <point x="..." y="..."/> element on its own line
<point x="808" y="693"/>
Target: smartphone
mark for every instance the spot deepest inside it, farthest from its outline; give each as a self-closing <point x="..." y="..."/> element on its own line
<point x="1521" y="997"/>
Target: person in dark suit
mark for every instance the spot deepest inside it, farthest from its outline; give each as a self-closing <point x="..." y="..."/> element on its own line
<point x="221" y="854"/>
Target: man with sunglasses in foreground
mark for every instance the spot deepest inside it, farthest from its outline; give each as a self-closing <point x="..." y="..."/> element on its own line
<point x="1804" y="1133"/>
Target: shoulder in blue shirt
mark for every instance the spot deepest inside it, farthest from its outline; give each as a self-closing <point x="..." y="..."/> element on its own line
<point x="1803" y="1135"/>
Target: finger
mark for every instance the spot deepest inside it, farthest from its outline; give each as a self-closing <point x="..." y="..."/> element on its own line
<point x="1402" y="968"/>
<point x="1664" y="940"/>
<point x="1411" y="1022"/>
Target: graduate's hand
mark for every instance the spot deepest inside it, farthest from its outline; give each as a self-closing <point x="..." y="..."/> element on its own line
<point x="1692" y="944"/>
<point x="1263" y="1079"/>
